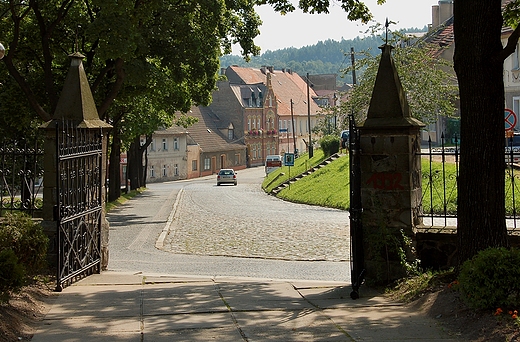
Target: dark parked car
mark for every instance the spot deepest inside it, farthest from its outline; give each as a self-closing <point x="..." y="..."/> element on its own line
<point x="345" y="136"/>
<point x="227" y="176"/>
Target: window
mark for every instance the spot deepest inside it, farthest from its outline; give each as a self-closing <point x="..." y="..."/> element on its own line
<point x="152" y="172"/>
<point x="175" y="169"/>
<point x="260" y="151"/>
<point x="516" y="106"/>
<point x="231" y="134"/>
<point x="516" y="59"/>
<point x="258" y="122"/>
<point x="152" y="145"/>
<point x="176" y="144"/>
<point x="207" y="163"/>
<point x="237" y="159"/>
<point x="165" y="144"/>
<point x="248" y="123"/>
<point x="164" y="172"/>
<point x="194" y="165"/>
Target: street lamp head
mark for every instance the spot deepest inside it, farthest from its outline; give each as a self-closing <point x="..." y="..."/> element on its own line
<point x="2" y="51"/>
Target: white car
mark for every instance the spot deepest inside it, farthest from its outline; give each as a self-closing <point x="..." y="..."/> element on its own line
<point x="227" y="176"/>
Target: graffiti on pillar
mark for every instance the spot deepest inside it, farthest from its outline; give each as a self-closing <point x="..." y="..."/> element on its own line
<point x="386" y="181"/>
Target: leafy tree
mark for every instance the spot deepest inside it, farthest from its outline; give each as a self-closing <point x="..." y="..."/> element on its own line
<point x="430" y="90"/>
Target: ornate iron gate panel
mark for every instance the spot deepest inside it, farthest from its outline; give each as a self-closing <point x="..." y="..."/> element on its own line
<point x="21" y="177"/>
<point x="357" y="258"/>
<point x="79" y="208"/>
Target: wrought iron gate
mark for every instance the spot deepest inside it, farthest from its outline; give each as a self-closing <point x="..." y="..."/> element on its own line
<point x="79" y="208"/>
<point x="357" y="268"/>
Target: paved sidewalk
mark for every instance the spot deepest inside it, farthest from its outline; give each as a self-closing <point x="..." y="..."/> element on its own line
<point x="116" y="306"/>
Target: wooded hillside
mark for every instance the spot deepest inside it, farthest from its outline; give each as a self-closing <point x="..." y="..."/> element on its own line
<point x="325" y="57"/>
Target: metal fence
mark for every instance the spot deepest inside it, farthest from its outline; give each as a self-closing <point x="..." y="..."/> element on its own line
<point x="21" y="172"/>
<point x="439" y="184"/>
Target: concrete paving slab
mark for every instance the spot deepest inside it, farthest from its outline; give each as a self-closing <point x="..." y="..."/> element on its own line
<point x="390" y="323"/>
<point x="97" y="301"/>
<point x="195" y="335"/>
<point x="159" y="299"/>
<point x="169" y="323"/>
<point x="88" y="329"/>
<point x="299" y="325"/>
<point x="339" y="297"/>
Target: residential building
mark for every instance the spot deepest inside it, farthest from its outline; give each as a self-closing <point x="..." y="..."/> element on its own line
<point x="199" y="150"/>
<point x="441" y="33"/>
<point x="167" y="155"/>
<point x="271" y="108"/>
<point x="216" y="143"/>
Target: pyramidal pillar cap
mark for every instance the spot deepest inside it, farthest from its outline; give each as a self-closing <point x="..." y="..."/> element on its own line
<point x="76" y="102"/>
<point x="388" y="104"/>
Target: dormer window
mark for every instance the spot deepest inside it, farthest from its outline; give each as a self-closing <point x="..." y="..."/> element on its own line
<point x="231" y="132"/>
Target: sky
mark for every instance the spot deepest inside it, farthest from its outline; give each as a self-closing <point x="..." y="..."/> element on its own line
<point x="298" y="29"/>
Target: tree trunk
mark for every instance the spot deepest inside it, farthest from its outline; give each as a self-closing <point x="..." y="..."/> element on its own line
<point x="477" y="62"/>
<point x="134" y="164"/>
<point x="114" y="172"/>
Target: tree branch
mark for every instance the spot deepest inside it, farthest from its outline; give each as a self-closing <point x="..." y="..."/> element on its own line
<point x="116" y="87"/>
<point x="13" y="71"/>
<point x="511" y="44"/>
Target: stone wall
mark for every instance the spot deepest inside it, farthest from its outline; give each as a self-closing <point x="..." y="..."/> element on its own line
<point x="437" y="246"/>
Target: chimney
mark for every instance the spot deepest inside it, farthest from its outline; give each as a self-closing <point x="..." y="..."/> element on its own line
<point x="435" y="16"/>
<point x="441" y="12"/>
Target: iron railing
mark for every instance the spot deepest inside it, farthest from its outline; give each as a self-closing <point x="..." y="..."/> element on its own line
<point x="439" y="184"/>
<point x="21" y="173"/>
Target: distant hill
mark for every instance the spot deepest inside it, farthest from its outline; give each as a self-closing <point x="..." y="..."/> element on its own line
<point x="327" y="57"/>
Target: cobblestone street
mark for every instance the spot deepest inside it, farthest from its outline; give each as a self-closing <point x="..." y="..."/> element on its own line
<point x="260" y="227"/>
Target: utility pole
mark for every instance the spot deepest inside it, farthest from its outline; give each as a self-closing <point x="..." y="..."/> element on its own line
<point x="311" y="152"/>
<point x="293" y="133"/>
<point x="352" y="60"/>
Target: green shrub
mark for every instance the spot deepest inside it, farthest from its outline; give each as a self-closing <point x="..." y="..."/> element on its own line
<point x="26" y="239"/>
<point x="11" y="274"/>
<point x="491" y="279"/>
<point x="330" y="144"/>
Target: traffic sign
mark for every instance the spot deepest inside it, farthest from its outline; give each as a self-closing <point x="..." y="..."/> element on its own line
<point x="289" y="159"/>
<point x="510" y="119"/>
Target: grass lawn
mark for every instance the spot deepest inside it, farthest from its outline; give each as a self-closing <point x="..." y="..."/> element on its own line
<point x="330" y="186"/>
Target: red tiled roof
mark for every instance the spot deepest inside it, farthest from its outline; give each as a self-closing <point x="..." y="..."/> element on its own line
<point x="441" y="36"/>
<point x="286" y="86"/>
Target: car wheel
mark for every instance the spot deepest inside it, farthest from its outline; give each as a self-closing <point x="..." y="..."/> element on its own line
<point x="235" y="183"/>
<point x="218" y="184"/>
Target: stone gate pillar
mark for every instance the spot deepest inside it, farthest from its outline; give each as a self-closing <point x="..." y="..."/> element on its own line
<point x="76" y="104"/>
<point x="390" y="177"/>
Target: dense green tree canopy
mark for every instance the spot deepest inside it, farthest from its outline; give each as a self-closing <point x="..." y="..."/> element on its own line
<point x="126" y="43"/>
